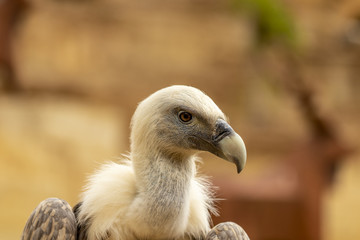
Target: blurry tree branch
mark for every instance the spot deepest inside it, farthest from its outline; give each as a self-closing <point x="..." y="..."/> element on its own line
<point x="316" y="161"/>
<point x="275" y="28"/>
<point x="325" y="142"/>
<point x="10" y="11"/>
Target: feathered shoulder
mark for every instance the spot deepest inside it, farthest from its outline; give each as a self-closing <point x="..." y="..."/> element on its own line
<point x="107" y="195"/>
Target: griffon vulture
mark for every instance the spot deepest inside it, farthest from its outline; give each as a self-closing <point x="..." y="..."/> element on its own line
<point x="154" y="193"/>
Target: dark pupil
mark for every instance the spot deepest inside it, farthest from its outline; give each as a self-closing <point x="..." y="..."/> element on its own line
<point x="185" y="116"/>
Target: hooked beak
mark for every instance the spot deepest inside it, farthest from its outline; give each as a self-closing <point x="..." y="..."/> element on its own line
<point x="229" y="145"/>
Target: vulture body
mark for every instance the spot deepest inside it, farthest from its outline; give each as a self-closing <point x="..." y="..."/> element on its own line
<point x="154" y="192"/>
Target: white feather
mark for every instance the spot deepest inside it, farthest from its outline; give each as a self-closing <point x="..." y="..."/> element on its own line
<point x="110" y="193"/>
<point x="156" y="194"/>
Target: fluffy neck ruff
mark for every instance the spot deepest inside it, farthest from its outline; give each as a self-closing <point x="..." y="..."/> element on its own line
<point x="163" y="183"/>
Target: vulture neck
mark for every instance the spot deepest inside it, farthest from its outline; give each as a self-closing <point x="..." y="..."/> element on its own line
<point x="163" y="182"/>
<point x="153" y="169"/>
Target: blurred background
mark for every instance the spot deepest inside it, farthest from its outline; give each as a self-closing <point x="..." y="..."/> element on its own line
<point x="285" y="72"/>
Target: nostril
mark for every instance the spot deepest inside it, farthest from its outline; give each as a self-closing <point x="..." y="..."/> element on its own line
<point x="222" y="130"/>
<point x="219" y="136"/>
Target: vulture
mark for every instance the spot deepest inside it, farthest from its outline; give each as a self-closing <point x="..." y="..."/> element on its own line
<point x="154" y="192"/>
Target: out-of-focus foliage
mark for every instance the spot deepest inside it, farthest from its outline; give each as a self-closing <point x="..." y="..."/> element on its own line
<point x="272" y="21"/>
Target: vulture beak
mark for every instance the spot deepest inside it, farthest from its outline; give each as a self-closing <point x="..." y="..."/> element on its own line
<point x="229" y="145"/>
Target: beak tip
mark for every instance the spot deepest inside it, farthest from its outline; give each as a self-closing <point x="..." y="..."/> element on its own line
<point x="239" y="168"/>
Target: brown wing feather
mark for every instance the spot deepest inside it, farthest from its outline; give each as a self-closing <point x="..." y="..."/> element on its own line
<point x="52" y="219"/>
<point x="227" y="231"/>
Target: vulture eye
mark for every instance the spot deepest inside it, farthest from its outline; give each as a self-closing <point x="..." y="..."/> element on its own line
<point x="185" y="117"/>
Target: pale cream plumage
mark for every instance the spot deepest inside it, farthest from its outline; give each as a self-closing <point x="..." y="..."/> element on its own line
<point x="155" y="192"/>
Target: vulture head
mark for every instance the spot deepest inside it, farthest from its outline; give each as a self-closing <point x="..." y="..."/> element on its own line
<point x="181" y="121"/>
